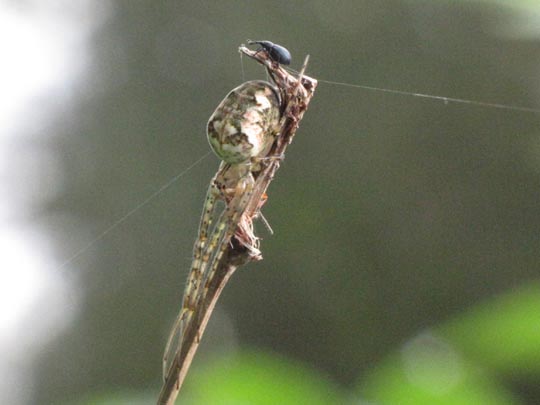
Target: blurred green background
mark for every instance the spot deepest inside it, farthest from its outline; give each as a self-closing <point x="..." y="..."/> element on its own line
<point x="404" y="268"/>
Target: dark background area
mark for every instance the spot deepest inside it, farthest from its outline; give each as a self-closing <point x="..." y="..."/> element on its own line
<point x="392" y="214"/>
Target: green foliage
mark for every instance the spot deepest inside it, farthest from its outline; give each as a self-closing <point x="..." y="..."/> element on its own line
<point x="504" y="334"/>
<point x="258" y="378"/>
<point x="462" y="362"/>
<point x="429" y="382"/>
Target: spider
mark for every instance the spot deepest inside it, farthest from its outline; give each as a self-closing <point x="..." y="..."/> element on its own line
<point x="241" y="132"/>
<point x="249" y="131"/>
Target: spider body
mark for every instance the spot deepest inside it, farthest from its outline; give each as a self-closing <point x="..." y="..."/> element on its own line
<point x="276" y="52"/>
<point x="245" y="123"/>
<point x="241" y="132"/>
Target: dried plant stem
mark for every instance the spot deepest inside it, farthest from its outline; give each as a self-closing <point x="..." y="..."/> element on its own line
<point x="297" y="93"/>
<point x="181" y="363"/>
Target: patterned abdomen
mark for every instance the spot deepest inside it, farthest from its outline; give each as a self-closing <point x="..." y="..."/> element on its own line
<point x="245" y="122"/>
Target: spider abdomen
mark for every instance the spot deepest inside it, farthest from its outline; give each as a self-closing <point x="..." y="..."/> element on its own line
<point x="245" y="122"/>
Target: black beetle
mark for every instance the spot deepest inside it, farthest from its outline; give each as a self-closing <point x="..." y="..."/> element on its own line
<point x="276" y="52"/>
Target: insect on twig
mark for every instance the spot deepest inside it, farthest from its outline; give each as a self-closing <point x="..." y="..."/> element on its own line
<point x="249" y="131"/>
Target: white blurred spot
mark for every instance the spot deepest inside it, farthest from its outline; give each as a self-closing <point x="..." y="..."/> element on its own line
<point x="36" y="305"/>
<point x="432" y="364"/>
<point x="44" y="50"/>
<point x="31" y="293"/>
<point x="45" y="55"/>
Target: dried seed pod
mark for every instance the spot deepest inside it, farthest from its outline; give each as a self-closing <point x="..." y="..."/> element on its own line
<point x="245" y="122"/>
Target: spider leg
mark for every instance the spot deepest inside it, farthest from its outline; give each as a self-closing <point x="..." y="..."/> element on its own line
<point x="193" y="303"/>
<point x="233" y="215"/>
<point x="221" y="234"/>
<point x="195" y="273"/>
<point x="200" y="250"/>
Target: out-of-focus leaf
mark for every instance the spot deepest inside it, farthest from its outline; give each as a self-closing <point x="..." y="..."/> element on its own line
<point x="503" y="334"/>
<point x="392" y="383"/>
<point x="429" y="371"/>
<point x="454" y="365"/>
<point x="258" y="378"/>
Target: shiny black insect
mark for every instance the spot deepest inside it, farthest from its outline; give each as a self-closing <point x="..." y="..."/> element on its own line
<point x="276" y="52"/>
